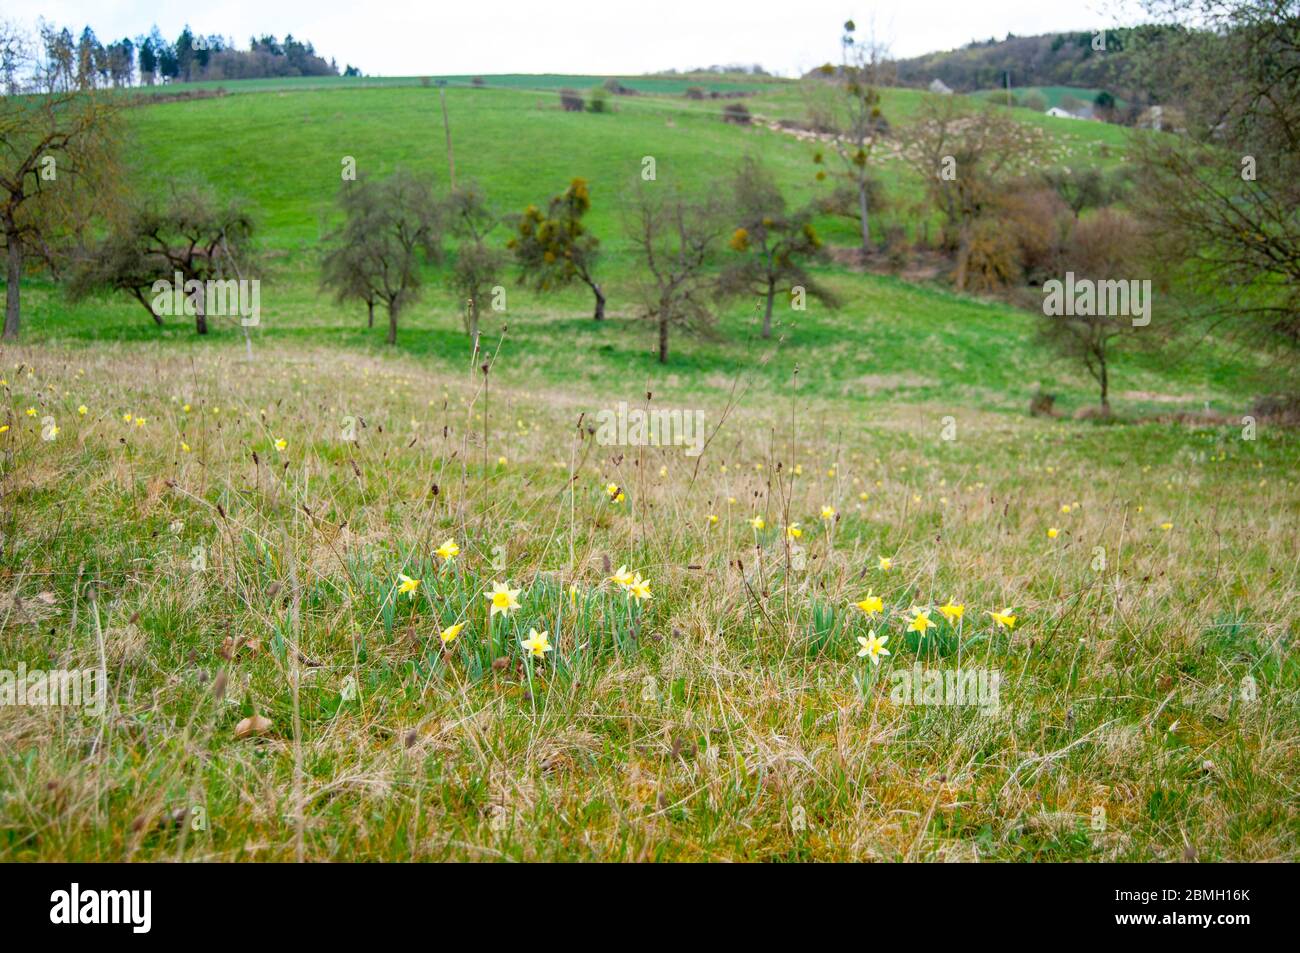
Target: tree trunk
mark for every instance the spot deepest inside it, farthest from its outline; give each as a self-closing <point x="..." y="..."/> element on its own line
<point x="1104" y="379"/>
<point x="392" y="323"/>
<point x="200" y="317"/>
<point x="663" y="337"/>
<point x="600" y="302"/>
<point x="862" y="211"/>
<point x="370" y="309"/>
<point x="13" y="276"/>
<point x="767" y="312"/>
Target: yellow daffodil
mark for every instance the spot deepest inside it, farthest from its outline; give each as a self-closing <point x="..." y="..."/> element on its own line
<point x="828" y="512"/>
<point x="503" y="598"/>
<point x="920" y="621"/>
<point x="31" y="411"/>
<point x="4" y="428"/>
<point x="886" y="564"/>
<point x="793" y="530"/>
<point x="1051" y="532"/>
<point x="83" y="410"/>
<point x="449" y="634"/>
<point x="871" y="605"/>
<point x="1004" y="618"/>
<point x="639" y="589"/>
<point x="953" y="611"/>
<point x="622" y="577"/>
<point x="757" y="522"/>
<point x="185" y="409"/>
<point x="864" y="497"/>
<point x="448" y="550"/>
<point x="712" y="519"/>
<point x="1065" y="508"/>
<point x="281" y="445"/>
<point x="185" y="447"/>
<point x="537" y="644"/>
<point x="872" y="646"/>
<point x="407" y="585"/>
<point x="139" y="421"/>
<point x="1166" y="526"/>
<point x="501" y="461"/>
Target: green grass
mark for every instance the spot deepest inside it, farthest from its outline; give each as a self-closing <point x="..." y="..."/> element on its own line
<point x="219" y="576"/>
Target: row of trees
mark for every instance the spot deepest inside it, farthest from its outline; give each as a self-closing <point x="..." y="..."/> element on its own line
<point x="395" y="226"/>
<point x="85" y="63"/>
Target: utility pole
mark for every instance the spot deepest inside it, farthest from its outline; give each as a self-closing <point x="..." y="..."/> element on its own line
<point x="446" y="126"/>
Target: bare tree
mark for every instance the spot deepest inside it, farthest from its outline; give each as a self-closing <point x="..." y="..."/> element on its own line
<point x="964" y="156"/>
<point x="1223" y="200"/>
<point x="58" y="162"/>
<point x="191" y="235"/>
<point x="773" y="244"/>
<point x="675" y="237"/>
<point x="477" y="268"/>
<point x="391" y="227"/>
<point x="848" y="109"/>
<point x="1100" y="251"/>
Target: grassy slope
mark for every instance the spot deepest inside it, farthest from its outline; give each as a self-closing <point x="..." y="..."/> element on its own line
<point x="282" y="152"/>
<point x="729" y="724"/>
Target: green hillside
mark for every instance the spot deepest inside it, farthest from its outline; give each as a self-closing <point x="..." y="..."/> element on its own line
<point x="281" y="152"/>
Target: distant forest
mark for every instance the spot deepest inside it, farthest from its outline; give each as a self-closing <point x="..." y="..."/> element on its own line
<point x="85" y="62"/>
<point x="1117" y="60"/>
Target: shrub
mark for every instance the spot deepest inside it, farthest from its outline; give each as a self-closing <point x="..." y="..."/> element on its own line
<point x="598" y="100"/>
<point x="1103" y="245"/>
<point x="990" y="259"/>
<point x="571" y="100"/>
<point x="1038" y="220"/>
<point x="737" y="113"/>
<point x="694" y="92"/>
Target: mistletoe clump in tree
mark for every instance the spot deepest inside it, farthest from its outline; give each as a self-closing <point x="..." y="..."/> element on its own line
<point x="555" y="249"/>
<point x="774" y="244"/>
<point x="849" y="110"/>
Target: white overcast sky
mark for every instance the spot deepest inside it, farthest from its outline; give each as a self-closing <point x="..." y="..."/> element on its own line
<point x="581" y="36"/>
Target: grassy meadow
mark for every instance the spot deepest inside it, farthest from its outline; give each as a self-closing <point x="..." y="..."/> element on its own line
<point x="299" y="667"/>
